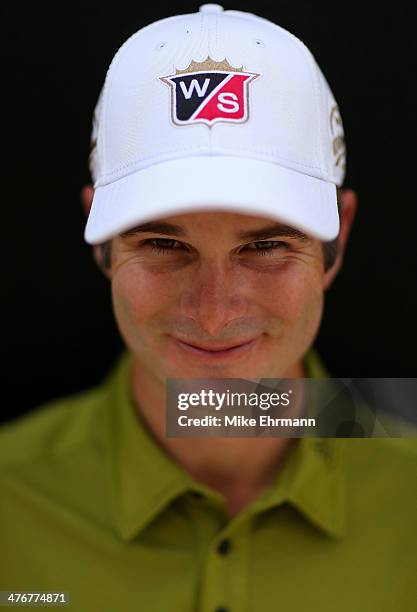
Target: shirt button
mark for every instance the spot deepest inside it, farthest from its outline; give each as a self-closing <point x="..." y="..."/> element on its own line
<point x="211" y="8"/>
<point x="197" y="494"/>
<point x="221" y="609"/>
<point x="224" y="547"/>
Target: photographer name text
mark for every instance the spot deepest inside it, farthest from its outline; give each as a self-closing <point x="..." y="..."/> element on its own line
<point x="239" y="421"/>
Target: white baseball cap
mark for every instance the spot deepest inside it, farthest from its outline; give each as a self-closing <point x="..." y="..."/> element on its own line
<point x="215" y="110"/>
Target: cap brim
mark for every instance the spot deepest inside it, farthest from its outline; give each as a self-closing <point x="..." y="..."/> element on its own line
<point x="206" y="183"/>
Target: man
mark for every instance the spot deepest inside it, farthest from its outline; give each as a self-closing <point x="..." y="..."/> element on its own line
<point x="217" y="156"/>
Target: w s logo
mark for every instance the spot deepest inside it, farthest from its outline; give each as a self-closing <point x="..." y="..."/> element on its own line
<point x="208" y="96"/>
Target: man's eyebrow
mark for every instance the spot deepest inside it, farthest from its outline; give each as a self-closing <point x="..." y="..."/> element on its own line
<point x="270" y="231"/>
<point x="170" y="229"/>
<point x="158" y="227"/>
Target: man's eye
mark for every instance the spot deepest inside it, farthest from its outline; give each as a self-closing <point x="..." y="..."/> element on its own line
<point x="267" y="247"/>
<point x="161" y="245"/>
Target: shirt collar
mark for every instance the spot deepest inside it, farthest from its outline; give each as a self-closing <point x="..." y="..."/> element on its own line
<point x="145" y="480"/>
<point x="312" y="481"/>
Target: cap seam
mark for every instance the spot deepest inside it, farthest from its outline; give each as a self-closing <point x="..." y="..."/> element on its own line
<point x="209" y="151"/>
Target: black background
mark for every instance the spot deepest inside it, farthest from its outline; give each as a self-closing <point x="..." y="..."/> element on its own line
<point x="59" y="332"/>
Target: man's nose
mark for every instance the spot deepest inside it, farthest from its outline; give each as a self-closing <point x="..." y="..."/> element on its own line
<point x="214" y="296"/>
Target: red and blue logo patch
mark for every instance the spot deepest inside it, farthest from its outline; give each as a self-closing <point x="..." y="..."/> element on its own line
<point x="208" y="92"/>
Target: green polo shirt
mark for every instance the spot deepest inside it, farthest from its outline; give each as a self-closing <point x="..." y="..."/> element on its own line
<point x="91" y="505"/>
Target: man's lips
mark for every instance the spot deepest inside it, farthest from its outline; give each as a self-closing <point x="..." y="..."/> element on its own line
<point x="216" y="351"/>
<point x="217" y="347"/>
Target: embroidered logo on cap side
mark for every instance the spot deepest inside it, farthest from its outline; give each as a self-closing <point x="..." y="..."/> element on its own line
<point x="338" y="139"/>
<point x="209" y="92"/>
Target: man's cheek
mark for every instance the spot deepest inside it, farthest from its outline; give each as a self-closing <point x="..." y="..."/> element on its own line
<point x="301" y="303"/>
<point x="134" y="293"/>
<point x="142" y="305"/>
<point x="310" y="312"/>
<point x="290" y="292"/>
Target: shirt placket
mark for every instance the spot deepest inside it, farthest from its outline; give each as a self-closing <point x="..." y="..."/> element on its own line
<point x="224" y="584"/>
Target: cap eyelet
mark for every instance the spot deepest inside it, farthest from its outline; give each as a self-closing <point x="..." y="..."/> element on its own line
<point x="160" y="45"/>
<point x="259" y="43"/>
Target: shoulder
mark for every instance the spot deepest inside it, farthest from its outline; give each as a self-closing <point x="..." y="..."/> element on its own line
<point x="383" y="452"/>
<point x="53" y="470"/>
<point x="379" y="469"/>
<point x="52" y="429"/>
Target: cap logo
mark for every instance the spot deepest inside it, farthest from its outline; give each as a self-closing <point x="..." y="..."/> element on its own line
<point x="209" y="92"/>
<point x="338" y="140"/>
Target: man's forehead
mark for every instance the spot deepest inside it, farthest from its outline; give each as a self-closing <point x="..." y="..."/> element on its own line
<point x="240" y="226"/>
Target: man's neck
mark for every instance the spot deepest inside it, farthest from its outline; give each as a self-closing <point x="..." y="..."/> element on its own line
<point x="238" y="468"/>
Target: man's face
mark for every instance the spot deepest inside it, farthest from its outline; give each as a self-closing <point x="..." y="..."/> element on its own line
<point x="210" y="286"/>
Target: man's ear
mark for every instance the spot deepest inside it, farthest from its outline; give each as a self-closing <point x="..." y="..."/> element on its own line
<point x="349" y="201"/>
<point x="87" y="193"/>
